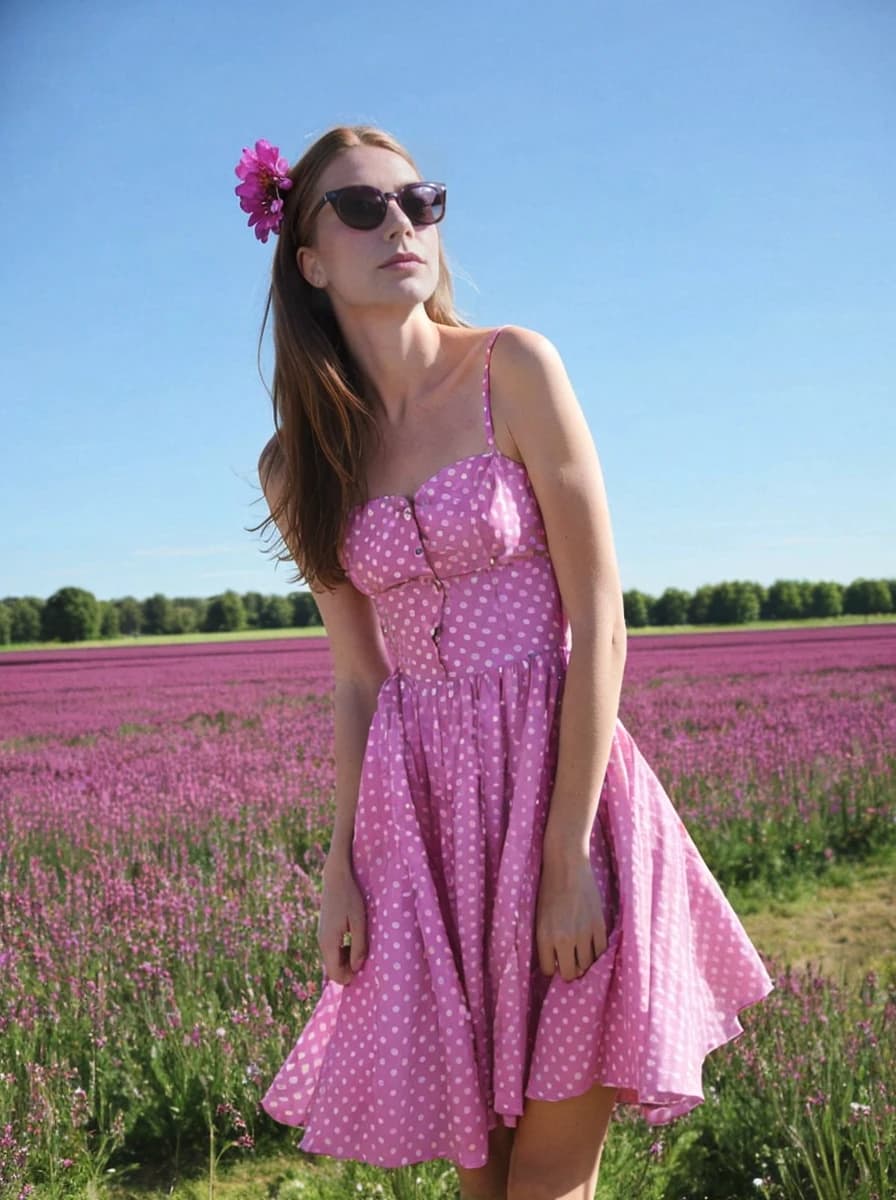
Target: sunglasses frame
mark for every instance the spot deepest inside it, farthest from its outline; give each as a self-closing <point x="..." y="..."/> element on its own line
<point x="334" y="194"/>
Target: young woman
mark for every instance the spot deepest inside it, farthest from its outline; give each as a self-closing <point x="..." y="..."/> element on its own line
<point x="517" y="931"/>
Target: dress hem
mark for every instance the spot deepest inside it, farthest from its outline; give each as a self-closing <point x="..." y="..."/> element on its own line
<point x="662" y="1108"/>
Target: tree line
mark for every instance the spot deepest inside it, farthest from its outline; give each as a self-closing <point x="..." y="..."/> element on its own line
<point x="738" y="601"/>
<point x="73" y="614"/>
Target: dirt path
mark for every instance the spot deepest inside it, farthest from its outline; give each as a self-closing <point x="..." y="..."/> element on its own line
<point x="848" y="930"/>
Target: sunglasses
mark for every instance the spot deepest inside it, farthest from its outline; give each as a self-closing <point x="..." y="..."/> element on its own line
<point x="363" y="207"/>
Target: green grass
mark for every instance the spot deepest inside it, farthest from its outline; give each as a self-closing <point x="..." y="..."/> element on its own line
<point x="801" y="623"/>
<point x="246" y="635"/>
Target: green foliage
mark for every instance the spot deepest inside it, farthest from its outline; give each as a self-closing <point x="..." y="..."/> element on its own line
<point x="252" y="603"/>
<point x="671" y="608"/>
<point x="826" y="600"/>
<point x="225" y="612"/>
<point x="636" y="607"/>
<point x="731" y="602"/>
<point x="276" y="612"/>
<point x="130" y="615"/>
<point x="868" y="596"/>
<point x="305" y="611"/>
<point x="785" y="600"/>
<point x="26" y="618"/>
<point x="156" y="617"/>
<point x="734" y="603"/>
<point x="698" y="609"/>
<point x="185" y="618"/>
<point x="796" y="1107"/>
<point x="71" y="614"/>
<point x="109" y="620"/>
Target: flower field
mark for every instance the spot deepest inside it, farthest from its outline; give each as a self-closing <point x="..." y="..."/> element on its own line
<point x="164" y="815"/>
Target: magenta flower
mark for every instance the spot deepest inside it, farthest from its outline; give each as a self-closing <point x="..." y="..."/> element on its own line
<point x="264" y="177"/>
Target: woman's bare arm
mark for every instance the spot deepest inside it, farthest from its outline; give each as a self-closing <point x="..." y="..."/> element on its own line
<point x="549" y="428"/>
<point x="360" y="664"/>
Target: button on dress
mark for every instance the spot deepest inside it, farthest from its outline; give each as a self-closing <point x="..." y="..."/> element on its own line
<point x="450" y="1023"/>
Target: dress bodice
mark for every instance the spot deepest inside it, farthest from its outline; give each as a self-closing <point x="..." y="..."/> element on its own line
<point x="460" y="573"/>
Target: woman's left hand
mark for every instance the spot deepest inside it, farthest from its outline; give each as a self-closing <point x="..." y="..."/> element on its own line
<point x="569" y="919"/>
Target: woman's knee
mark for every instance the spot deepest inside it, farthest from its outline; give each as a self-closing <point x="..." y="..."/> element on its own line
<point x="558" y="1146"/>
<point x="489" y="1182"/>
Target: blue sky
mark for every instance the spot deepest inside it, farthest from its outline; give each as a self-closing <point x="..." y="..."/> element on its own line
<point x="695" y="202"/>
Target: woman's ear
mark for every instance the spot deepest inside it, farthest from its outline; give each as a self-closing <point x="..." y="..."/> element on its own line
<point x="309" y="268"/>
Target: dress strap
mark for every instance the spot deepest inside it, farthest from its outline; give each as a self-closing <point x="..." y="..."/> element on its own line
<point x="487" y="390"/>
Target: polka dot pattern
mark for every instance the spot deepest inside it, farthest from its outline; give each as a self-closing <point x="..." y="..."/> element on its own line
<point x="450" y="1023"/>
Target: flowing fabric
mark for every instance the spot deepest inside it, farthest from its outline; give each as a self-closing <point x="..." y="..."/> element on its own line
<point x="451" y="1024"/>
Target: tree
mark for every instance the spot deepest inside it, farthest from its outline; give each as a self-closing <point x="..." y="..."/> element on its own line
<point x="26" y="613"/>
<point x="275" y="613"/>
<point x="806" y="589"/>
<point x="734" y="603"/>
<point x="784" y="600"/>
<point x="183" y="618"/>
<point x="304" y="610"/>
<point x="225" y="613"/>
<point x="187" y="622"/>
<point x="868" y="596"/>
<point x="698" y="609"/>
<point x="130" y="615"/>
<point x="253" y="603"/>
<point x="636" y="608"/>
<point x="827" y="600"/>
<point x="671" y="608"/>
<point x="71" y="614"/>
<point x="109" y="619"/>
<point x="157" y="614"/>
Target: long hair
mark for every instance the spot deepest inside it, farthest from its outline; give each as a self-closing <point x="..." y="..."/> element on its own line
<point x="323" y="417"/>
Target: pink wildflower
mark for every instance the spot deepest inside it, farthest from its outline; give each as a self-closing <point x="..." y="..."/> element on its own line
<point x="264" y="177"/>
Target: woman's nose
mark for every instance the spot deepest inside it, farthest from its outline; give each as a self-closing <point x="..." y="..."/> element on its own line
<point x="393" y="201"/>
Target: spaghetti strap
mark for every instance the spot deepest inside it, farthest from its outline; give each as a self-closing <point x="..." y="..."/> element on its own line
<point x="487" y="391"/>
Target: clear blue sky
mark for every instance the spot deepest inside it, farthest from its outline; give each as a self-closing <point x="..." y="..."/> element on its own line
<point x="695" y="202"/>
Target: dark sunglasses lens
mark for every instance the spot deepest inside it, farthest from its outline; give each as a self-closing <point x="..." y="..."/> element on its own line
<point x="361" y="207"/>
<point x="423" y="203"/>
<point x="364" y="207"/>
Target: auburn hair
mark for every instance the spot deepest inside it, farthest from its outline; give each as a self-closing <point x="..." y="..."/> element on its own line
<point x="324" y="420"/>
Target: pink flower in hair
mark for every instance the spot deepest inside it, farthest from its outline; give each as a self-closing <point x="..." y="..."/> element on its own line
<point x="264" y="177"/>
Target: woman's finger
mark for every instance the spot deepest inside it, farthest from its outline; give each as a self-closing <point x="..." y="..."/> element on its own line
<point x="358" y="942"/>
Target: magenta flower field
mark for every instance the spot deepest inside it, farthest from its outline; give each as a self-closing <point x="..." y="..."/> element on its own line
<point x="165" y="812"/>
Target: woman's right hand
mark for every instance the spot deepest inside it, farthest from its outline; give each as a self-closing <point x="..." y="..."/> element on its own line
<point x="342" y="908"/>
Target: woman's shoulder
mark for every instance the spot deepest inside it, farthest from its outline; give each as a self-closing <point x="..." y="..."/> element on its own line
<point x="517" y="339"/>
<point x="516" y="349"/>
<point x="521" y="347"/>
<point x="271" y="467"/>
<point x="523" y="362"/>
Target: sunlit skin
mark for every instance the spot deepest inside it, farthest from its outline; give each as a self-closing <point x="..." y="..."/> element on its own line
<point x="380" y="311"/>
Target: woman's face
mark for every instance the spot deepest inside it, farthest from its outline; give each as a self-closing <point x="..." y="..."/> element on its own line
<point x="348" y="263"/>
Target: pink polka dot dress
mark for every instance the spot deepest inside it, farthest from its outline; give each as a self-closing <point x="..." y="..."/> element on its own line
<point x="450" y="1023"/>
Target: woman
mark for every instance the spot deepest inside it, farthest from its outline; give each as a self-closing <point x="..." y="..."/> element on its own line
<point x="516" y="929"/>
